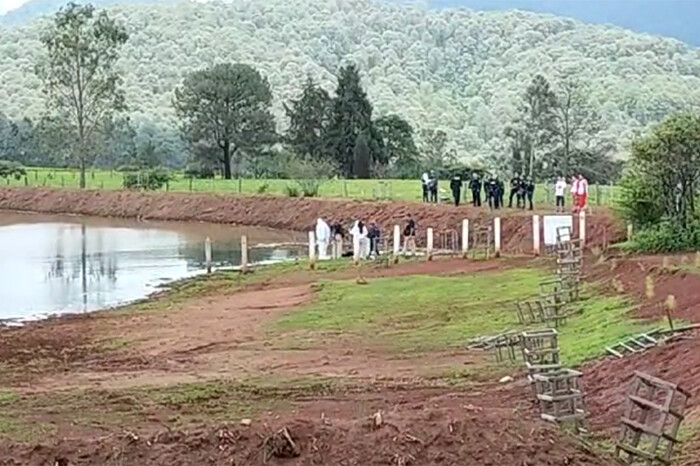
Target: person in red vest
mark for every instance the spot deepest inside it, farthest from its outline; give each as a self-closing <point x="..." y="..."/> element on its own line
<point x="574" y="193"/>
<point x="582" y="192"/>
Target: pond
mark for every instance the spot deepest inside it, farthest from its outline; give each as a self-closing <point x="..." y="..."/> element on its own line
<point x="62" y="264"/>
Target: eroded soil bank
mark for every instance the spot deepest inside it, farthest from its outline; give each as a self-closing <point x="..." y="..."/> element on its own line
<point x="298" y="214"/>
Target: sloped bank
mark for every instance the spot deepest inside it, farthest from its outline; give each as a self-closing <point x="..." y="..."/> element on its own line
<point x="285" y="213"/>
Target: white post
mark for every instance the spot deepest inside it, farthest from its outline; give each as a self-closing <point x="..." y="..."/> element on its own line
<point x="312" y="247"/>
<point x="465" y="237"/>
<point x="244" y="253"/>
<point x="536" y="234"/>
<point x="582" y="227"/>
<point x="429" y="245"/>
<point x="207" y="254"/>
<point x="497" y="236"/>
<point x="397" y="240"/>
<point x="630" y="231"/>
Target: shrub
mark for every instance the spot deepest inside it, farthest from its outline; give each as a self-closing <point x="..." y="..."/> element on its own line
<point x="11" y="169"/>
<point x="199" y="171"/>
<point x="291" y="190"/>
<point x="666" y="236"/>
<point x="263" y="188"/>
<point x="150" y="180"/>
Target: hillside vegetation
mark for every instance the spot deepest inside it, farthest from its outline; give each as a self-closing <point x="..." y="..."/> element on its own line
<point x="458" y="71"/>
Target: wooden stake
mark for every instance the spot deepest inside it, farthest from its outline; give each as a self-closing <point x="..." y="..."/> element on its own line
<point x="207" y="254"/>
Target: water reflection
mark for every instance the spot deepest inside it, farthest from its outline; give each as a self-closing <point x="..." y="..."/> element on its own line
<point x="53" y="265"/>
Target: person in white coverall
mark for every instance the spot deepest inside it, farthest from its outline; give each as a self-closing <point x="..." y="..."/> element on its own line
<point x="360" y="242"/>
<point x="323" y="238"/>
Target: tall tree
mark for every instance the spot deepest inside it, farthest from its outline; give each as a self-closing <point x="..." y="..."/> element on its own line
<point x="536" y="119"/>
<point x="435" y="151"/>
<point x="351" y="115"/>
<point x="399" y="147"/>
<point x="665" y="174"/>
<point x="227" y="105"/>
<point x="79" y="76"/>
<point x="362" y="160"/>
<point x="309" y="116"/>
<point x="574" y="119"/>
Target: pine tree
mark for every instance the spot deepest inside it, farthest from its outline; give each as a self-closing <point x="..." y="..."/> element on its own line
<point x="351" y="115"/>
<point x="309" y="116"/>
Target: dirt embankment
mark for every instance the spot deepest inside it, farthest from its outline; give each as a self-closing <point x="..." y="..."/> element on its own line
<point x="289" y="213"/>
<point x="417" y="430"/>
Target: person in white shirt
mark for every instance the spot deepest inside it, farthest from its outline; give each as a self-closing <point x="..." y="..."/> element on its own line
<point x="559" y="189"/>
<point x="323" y="238"/>
<point x="582" y="192"/>
<point x="360" y="242"/>
<point x="425" y="181"/>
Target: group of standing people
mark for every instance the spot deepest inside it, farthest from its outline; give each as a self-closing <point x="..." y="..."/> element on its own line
<point x="429" y="185"/>
<point x="365" y="239"/>
<point x="579" y="193"/>
<point x="522" y="190"/>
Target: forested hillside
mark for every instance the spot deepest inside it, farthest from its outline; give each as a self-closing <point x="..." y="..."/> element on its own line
<point x="459" y="71"/>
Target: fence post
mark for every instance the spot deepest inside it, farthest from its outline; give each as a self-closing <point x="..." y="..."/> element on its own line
<point x="582" y="228"/>
<point x="207" y="254"/>
<point x="536" y="234"/>
<point x="465" y="237"/>
<point x="497" y="236"/>
<point x="429" y="245"/>
<point x="244" y="253"/>
<point x="312" y="249"/>
<point x="630" y="231"/>
<point x="397" y="242"/>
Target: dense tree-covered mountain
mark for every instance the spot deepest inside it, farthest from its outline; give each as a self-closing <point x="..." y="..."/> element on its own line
<point x="673" y="18"/>
<point x="460" y="71"/>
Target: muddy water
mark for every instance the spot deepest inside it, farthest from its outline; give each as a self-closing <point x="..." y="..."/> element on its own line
<point x="58" y="264"/>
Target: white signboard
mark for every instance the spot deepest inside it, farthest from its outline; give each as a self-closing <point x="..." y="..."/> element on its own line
<point x="551" y="223"/>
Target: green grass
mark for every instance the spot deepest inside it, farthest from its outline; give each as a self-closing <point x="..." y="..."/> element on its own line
<point x="227" y="281"/>
<point x="427" y="312"/>
<point x="406" y="190"/>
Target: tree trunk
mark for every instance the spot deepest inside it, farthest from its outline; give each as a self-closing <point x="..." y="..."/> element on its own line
<point x="82" y="168"/>
<point x="227" y="160"/>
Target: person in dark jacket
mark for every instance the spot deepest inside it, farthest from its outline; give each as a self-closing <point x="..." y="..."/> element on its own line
<point x="475" y="186"/>
<point x="374" y="234"/>
<point x="491" y="189"/>
<point x="433" y="188"/>
<point x="516" y="191"/>
<point x="529" y="191"/>
<point x="456" y="188"/>
<point x="501" y="192"/>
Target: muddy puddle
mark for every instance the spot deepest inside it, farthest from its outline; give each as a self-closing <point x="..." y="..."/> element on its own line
<point x="59" y="264"/>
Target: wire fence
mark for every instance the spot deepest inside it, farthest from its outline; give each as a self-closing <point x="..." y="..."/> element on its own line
<point x="406" y="190"/>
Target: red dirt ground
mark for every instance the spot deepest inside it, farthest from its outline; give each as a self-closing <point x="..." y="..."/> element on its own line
<point x="607" y="380"/>
<point x="288" y="213"/>
<point x="417" y="427"/>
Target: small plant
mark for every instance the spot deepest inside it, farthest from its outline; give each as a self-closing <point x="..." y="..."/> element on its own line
<point x="199" y="171"/>
<point x="291" y="191"/>
<point x="11" y="169"/>
<point x="150" y="180"/>
<point x="263" y="188"/>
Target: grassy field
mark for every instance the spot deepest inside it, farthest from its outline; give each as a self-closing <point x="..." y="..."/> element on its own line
<point x="406" y="190"/>
<point x="421" y="313"/>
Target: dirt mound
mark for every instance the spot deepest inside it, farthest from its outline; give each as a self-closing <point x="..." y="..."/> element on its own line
<point x="419" y="438"/>
<point x="285" y="213"/>
<point x="629" y="276"/>
<point x="607" y="381"/>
